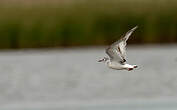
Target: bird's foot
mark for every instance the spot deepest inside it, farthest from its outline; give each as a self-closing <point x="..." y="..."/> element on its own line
<point x="135" y="66"/>
<point x="129" y="69"/>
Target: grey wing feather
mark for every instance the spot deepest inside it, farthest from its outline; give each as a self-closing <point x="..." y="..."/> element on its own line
<point x="127" y="35"/>
<point x="117" y="51"/>
<point x="114" y="54"/>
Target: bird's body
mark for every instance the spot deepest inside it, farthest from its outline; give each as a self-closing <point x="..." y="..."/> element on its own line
<point x="117" y="54"/>
<point x="118" y="66"/>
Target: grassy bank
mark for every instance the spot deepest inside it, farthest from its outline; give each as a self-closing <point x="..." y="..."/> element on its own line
<point x="75" y="23"/>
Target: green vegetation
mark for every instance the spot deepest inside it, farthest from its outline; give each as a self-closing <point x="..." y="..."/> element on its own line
<point x="99" y="22"/>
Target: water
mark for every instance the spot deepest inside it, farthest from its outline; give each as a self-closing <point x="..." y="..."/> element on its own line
<point x="72" y="79"/>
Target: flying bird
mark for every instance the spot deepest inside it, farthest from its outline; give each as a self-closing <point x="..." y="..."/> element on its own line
<point x="117" y="54"/>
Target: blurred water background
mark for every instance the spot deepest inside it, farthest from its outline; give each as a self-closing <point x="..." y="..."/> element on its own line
<point x="72" y="79"/>
<point x="49" y="51"/>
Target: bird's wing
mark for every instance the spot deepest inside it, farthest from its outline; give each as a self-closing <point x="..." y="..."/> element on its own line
<point x="117" y="51"/>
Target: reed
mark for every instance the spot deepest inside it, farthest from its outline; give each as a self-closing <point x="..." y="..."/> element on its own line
<point x="35" y="25"/>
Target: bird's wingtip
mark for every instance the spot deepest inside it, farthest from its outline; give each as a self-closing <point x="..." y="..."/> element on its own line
<point x="135" y="27"/>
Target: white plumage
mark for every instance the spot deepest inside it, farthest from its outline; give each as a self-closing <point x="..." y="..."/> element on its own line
<point x="117" y="53"/>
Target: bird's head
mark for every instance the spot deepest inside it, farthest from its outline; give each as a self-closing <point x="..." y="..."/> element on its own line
<point x="103" y="60"/>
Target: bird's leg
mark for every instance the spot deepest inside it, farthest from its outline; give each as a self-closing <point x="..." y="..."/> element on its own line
<point x="128" y="67"/>
<point x="134" y="66"/>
